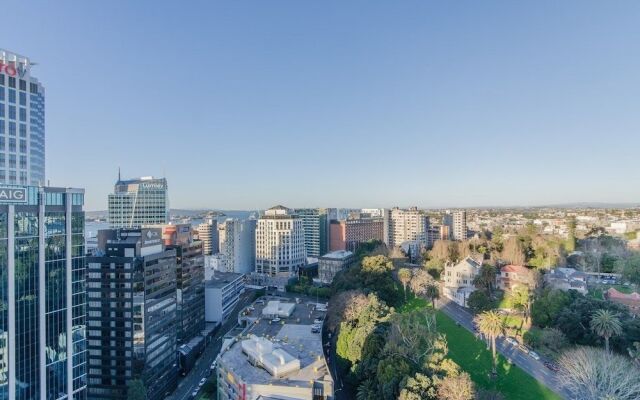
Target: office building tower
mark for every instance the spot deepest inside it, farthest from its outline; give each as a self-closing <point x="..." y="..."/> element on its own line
<point x="208" y="235"/>
<point x="42" y="280"/>
<point x="139" y="202"/>
<point x="349" y="234"/>
<point x="460" y="225"/>
<point x="237" y="240"/>
<point x="280" y="247"/>
<point x="314" y="221"/>
<point x="222" y="294"/>
<point x="21" y="122"/>
<point x="189" y="280"/>
<point x="131" y="314"/>
<point x="405" y="225"/>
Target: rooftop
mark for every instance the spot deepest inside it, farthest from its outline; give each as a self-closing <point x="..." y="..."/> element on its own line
<point x="221" y="279"/>
<point x="337" y="255"/>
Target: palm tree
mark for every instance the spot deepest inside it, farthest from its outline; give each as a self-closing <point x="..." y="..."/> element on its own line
<point x="606" y="324"/>
<point x="491" y="324"/>
<point x="404" y="275"/>
<point x="433" y="292"/>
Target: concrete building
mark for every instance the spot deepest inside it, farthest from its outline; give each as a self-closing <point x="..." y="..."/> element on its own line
<point x="458" y="280"/>
<point x="405" y="225"/>
<point x="22" y="127"/>
<point x="139" y="202"/>
<point x="208" y="235"/>
<point x="350" y="233"/>
<point x="237" y="240"/>
<point x="372" y="212"/>
<point x="280" y="246"/>
<point x="42" y="293"/>
<point x="332" y="263"/>
<point x="457" y="223"/>
<point x="189" y="280"/>
<point x="131" y="314"/>
<point x="222" y="293"/>
<point x="316" y="230"/>
<point x="276" y="360"/>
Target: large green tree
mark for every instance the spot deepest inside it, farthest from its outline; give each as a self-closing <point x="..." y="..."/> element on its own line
<point x="491" y="325"/>
<point x="606" y="324"/>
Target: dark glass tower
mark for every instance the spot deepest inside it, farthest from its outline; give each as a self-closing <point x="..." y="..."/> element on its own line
<point x="131" y="315"/>
<point x="42" y="293"/>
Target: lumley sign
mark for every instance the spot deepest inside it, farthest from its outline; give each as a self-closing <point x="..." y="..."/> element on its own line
<point x="12" y="70"/>
<point x="13" y="195"/>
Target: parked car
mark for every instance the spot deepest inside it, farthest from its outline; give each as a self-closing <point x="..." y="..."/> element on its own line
<point x="276" y="319"/>
<point x="195" y="393"/>
<point x="534" y="355"/>
<point x="552" y="366"/>
<point x="524" y="349"/>
<point x="511" y="341"/>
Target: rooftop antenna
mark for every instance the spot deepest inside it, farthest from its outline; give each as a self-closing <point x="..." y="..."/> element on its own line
<point x="118" y="174"/>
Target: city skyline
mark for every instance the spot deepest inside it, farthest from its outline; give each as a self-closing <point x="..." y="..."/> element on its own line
<point x="316" y="105"/>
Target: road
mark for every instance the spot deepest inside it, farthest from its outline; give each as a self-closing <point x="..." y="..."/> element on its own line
<point x="532" y="367"/>
<point x="201" y="369"/>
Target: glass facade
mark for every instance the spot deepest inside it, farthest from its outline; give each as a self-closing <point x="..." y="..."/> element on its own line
<point x="40" y="334"/>
<point x="139" y="202"/>
<point x="22" y="129"/>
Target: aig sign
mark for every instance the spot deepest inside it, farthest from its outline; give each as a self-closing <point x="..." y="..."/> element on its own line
<point x="13" y="195"/>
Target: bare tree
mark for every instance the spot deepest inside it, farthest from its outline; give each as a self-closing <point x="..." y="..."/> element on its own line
<point x="592" y="373"/>
<point x="457" y="387"/>
<point x="420" y="282"/>
<point x="404" y="276"/>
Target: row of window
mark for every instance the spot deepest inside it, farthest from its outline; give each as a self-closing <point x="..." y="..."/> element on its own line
<point x="22" y="84"/>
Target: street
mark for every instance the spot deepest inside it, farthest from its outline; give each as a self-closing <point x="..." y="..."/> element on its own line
<point x="201" y="369"/>
<point x="532" y="367"/>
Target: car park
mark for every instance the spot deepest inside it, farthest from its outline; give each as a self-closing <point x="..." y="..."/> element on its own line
<point x="534" y="355"/>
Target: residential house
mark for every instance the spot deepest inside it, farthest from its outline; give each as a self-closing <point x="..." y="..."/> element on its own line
<point x="458" y="280"/>
<point x="567" y="279"/>
<point x="512" y="276"/>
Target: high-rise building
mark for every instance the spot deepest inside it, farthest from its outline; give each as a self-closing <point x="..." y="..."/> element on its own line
<point x="350" y="233"/>
<point x="131" y="314"/>
<point x="139" y="202"/>
<point x="405" y="226"/>
<point x="314" y="221"/>
<point x="460" y="225"/>
<point x="21" y="122"/>
<point x="189" y="280"/>
<point x="237" y="240"/>
<point x="280" y="247"/>
<point x="42" y="280"/>
<point x="208" y="235"/>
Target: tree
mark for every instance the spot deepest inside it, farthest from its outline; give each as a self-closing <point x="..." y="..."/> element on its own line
<point x="434" y="267"/>
<point x="136" y="390"/>
<point x="591" y="373"/>
<point x="513" y="251"/>
<point x="478" y="302"/>
<point x="432" y="292"/>
<point x="521" y="299"/>
<point x="630" y="268"/>
<point x="486" y="278"/>
<point x="634" y="353"/>
<point x="404" y="275"/>
<point x="417" y="387"/>
<point x="457" y="387"/>
<point x="571" y="235"/>
<point x="606" y="324"/>
<point x="491" y="325"/>
<point x="420" y="282"/>
<point x="413" y="336"/>
<point x="377" y="264"/>
<point x="553" y="339"/>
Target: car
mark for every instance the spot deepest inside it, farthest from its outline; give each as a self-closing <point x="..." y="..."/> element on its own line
<point x="202" y="381"/>
<point x="524" y="349"/>
<point x="511" y="341"/>
<point x="534" y="355"/>
<point x="213" y="366"/>
<point x="276" y="319"/>
<point x="552" y="366"/>
<point x="317" y="321"/>
<point x="195" y="393"/>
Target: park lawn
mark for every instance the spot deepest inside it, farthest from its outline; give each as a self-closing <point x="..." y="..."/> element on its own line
<point x="473" y="357"/>
<point x="413" y="303"/>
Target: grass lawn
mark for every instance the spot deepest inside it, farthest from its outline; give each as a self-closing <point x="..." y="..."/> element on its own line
<point x="472" y="355"/>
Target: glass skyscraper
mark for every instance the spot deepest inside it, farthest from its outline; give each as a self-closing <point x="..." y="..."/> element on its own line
<point x="21" y="122"/>
<point x="42" y="293"/>
<point x="139" y="202"/>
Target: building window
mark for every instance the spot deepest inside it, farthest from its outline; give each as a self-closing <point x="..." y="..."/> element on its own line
<point x="12" y="82"/>
<point x="23" y="99"/>
<point x="23" y="84"/>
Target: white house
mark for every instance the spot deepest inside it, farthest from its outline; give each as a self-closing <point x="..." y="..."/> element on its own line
<point x="458" y="280"/>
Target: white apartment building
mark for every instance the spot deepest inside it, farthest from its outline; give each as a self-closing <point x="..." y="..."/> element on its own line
<point x="457" y="223"/>
<point x="404" y="226"/>
<point x="221" y="294"/>
<point x="280" y="246"/>
<point x="208" y="235"/>
<point x="237" y="244"/>
<point x="458" y="280"/>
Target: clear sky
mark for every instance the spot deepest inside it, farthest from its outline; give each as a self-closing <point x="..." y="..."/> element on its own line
<point x="247" y="104"/>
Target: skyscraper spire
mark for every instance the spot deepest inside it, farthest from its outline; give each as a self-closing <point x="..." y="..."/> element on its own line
<point x="119" y="174"/>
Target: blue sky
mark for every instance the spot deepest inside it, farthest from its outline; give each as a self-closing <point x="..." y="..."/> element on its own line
<point x="246" y="104"/>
